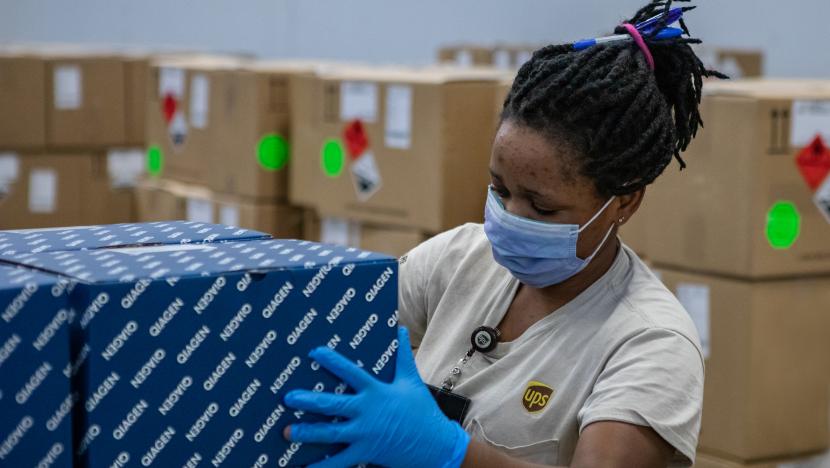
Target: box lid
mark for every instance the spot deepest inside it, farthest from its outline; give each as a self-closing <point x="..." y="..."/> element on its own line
<point x="200" y="62"/>
<point x="15" y="277"/>
<point x="122" y="264"/>
<point x="764" y="88"/>
<point x="430" y="74"/>
<point x="94" y="237"/>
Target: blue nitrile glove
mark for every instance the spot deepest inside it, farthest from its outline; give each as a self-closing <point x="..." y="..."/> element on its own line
<point x="394" y="424"/>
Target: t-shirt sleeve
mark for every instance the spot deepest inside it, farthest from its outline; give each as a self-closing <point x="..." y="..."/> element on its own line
<point x="654" y="379"/>
<point x="416" y="270"/>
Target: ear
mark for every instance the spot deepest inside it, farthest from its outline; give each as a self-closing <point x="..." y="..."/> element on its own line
<point x="629" y="204"/>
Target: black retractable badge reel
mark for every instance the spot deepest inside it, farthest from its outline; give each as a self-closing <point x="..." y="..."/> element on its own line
<point x="453" y="405"/>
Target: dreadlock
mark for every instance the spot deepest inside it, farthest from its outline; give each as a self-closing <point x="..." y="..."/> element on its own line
<point x="624" y="120"/>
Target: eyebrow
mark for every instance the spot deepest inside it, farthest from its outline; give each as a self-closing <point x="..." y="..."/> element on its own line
<point x="523" y="189"/>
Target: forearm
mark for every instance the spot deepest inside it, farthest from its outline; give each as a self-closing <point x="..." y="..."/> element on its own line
<point x="482" y="455"/>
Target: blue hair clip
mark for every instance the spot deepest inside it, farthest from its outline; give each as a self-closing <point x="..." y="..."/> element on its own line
<point x="645" y="27"/>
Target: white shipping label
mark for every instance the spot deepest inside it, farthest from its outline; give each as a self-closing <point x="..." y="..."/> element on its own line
<point x="695" y="299"/>
<point x="125" y="166"/>
<point x="43" y="190"/>
<point x="339" y="231"/>
<point x="199" y="100"/>
<point x="229" y="215"/>
<point x="9" y="171"/>
<point x="200" y="211"/>
<point x="366" y="176"/>
<point x="809" y="118"/>
<point x="502" y="59"/>
<point x="68" y="87"/>
<point x="464" y="58"/>
<point x="358" y="100"/>
<point x="822" y="198"/>
<point x="523" y="57"/>
<point x="171" y="81"/>
<point x="398" y="132"/>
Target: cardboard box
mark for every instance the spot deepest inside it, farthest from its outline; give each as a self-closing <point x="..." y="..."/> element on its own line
<point x="111" y="235"/>
<point x="160" y="200"/>
<point x="767" y="360"/>
<point x="252" y="131"/>
<point x="735" y="63"/>
<point x="397" y="147"/>
<point x="183" y="96"/>
<point x="389" y="240"/>
<point x="466" y="55"/>
<point x="35" y="397"/>
<point x="743" y="207"/>
<point x="49" y="190"/>
<point x="192" y="347"/>
<point x="22" y="98"/>
<point x="95" y="98"/>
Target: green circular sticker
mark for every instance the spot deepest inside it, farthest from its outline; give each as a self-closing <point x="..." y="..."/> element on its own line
<point x="272" y="152"/>
<point x="155" y="160"/>
<point x="783" y="225"/>
<point x="332" y="158"/>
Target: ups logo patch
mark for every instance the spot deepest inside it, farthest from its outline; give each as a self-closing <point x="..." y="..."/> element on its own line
<point x="536" y="396"/>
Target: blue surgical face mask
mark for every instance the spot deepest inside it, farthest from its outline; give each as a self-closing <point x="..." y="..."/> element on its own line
<point x="538" y="254"/>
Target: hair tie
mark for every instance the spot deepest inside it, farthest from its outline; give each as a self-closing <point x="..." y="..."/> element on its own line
<point x="638" y="39"/>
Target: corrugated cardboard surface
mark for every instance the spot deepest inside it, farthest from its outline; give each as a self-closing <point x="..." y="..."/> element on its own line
<point x="22" y="97"/>
<point x="767" y="374"/>
<point x="712" y="217"/>
<point x="82" y="193"/>
<point x="163" y="200"/>
<point x="245" y="103"/>
<point x="437" y="183"/>
<point x="385" y="239"/>
<point x="100" y="119"/>
<point x="256" y="104"/>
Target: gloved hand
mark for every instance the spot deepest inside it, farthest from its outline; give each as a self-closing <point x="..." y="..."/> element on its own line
<point x="394" y="424"/>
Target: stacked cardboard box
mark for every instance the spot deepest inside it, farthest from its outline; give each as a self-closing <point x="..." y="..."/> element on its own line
<point x="393" y="148"/>
<point x="160" y="200"/>
<point x="737" y="63"/>
<point x="743" y="243"/>
<point x="71" y="135"/>
<point x="220" y="125"/>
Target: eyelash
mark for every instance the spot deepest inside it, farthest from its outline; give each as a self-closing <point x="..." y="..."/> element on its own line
<point x="505" y="194"/>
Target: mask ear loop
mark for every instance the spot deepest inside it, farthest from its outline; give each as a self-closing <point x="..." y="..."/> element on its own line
<point x="597" y="214"/>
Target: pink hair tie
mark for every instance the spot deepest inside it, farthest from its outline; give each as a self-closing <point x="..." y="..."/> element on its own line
<point x="638" y="39"/>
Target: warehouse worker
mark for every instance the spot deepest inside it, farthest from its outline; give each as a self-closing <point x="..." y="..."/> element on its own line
<point x="551" y="342"/>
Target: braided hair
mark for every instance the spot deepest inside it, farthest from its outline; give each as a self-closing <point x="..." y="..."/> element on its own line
<point x="623" y="121"/>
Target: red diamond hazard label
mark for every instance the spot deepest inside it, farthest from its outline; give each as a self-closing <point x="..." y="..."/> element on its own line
<point x="814" y="162"/>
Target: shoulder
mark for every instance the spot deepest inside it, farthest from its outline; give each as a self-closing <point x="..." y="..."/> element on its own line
<point x="646" y="308"/>
<point x="447" y="251"/>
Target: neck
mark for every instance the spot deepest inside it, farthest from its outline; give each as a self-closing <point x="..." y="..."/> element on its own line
<point x="574" y="286"/>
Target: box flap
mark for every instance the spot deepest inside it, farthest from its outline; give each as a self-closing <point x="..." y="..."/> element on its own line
<point x="15" y="277"/>
<point x="121" y="264"/>
<point x="94" y="237"/>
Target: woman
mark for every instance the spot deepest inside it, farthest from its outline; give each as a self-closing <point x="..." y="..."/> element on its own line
<point x="592" y="362"/>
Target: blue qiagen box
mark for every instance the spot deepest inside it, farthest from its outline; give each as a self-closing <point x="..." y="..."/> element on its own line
<point x="126" y="234"/>
<point x="186" y="351"/>
<point x="35" y="395"/>
<point x="36" y="362"/>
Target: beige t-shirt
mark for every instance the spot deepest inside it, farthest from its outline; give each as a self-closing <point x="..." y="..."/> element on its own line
<point x="623" y="350"/>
